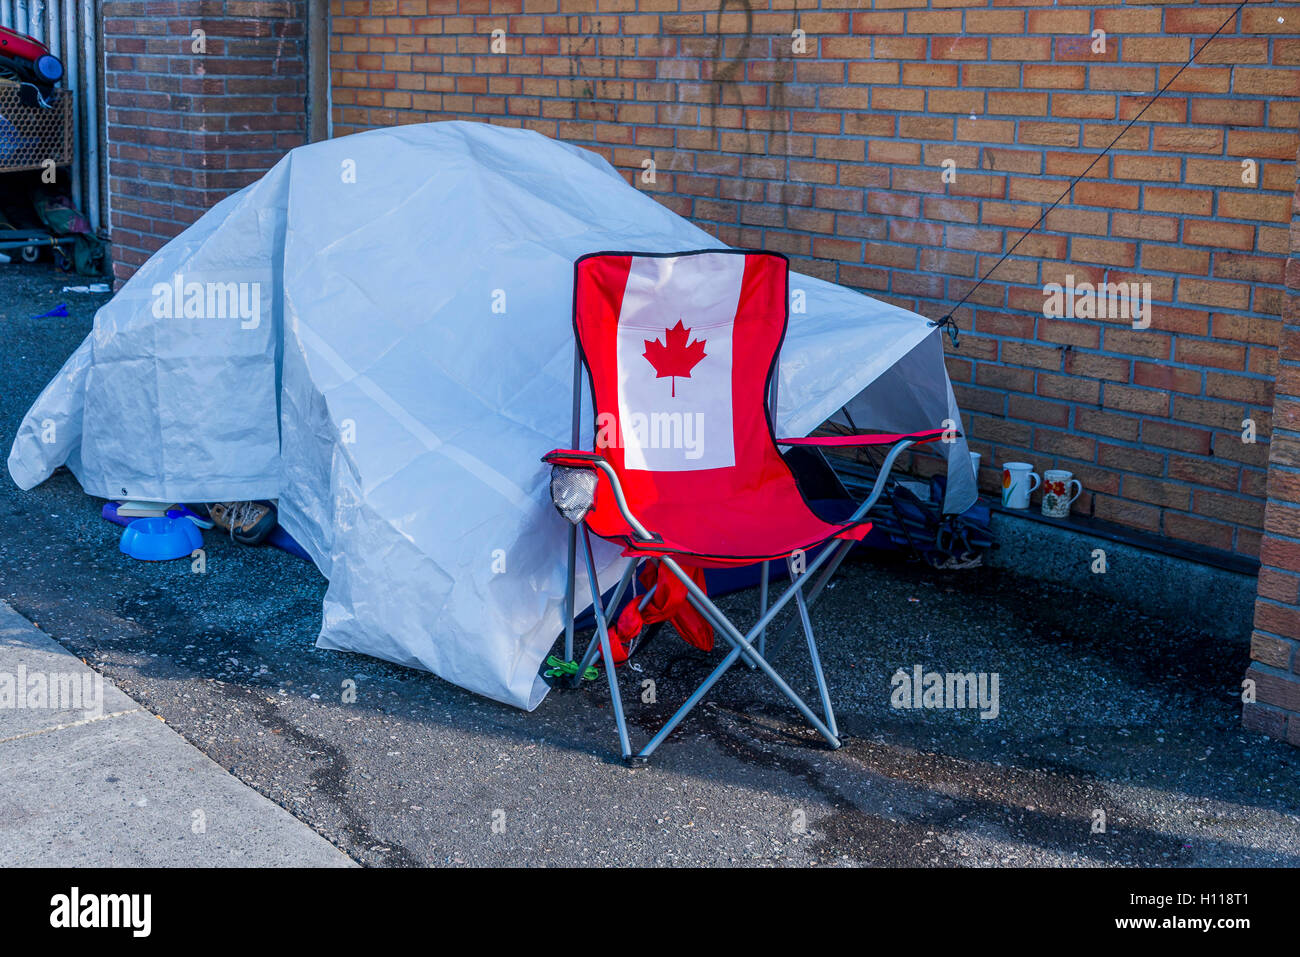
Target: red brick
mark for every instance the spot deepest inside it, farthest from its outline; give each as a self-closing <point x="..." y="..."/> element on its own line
<point x="1194" y="528"/>
<point x="1125" y="512"/>
<point x="1055" y="76"/>
<point x="1179" y="437"/>
<point x="1281" y="691"/>
<point x="1097" y="366"/>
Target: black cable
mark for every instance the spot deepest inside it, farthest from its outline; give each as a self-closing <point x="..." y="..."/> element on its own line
<point x="948" y="320"/>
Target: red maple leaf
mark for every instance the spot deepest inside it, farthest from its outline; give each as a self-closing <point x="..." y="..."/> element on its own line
<point x="673" y="357"/>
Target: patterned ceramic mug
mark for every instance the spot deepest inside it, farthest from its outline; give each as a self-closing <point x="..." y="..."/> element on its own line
<point x="1018" y="480"/>
<point x="1056" y="492"/>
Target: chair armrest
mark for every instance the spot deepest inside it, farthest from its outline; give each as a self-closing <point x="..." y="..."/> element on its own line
<point x="901" y="442"/>
<point x="575" y="458"/>
<point x="572" y="458"/>
<point x="879" y="485"/>
<point x="869" y="438"/>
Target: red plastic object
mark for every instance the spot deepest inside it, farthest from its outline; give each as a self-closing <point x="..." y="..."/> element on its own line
<point x="21" y="46"/>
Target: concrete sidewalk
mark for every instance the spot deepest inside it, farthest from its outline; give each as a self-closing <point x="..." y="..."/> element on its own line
<point x="97" y="780"/>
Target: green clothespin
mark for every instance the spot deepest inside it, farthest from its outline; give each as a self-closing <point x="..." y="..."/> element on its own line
<point x="557" y="668"/>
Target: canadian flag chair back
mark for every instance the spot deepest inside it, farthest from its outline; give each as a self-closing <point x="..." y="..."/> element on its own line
<point x="680" y="350"/>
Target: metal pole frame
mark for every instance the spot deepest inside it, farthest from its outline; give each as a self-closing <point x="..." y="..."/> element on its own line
<point x="602" y="633"/>
<point x="741" y="648"/>
<point x="574" y="435"/>
<point x="741" y="645"/>
<point x="589" y="656"/>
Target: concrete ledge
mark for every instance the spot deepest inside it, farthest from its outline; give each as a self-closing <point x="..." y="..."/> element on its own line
<point x="1212" y="599"/>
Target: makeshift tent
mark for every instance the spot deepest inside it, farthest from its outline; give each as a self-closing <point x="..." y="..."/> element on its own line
<point x="378" y="333"/>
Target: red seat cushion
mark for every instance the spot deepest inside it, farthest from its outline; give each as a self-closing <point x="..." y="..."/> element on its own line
<point x="739" y="534"/>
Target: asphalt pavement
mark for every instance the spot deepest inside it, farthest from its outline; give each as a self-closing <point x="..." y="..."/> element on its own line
<point x="1117" y="739"/>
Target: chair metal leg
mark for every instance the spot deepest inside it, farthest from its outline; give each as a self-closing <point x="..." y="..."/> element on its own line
<point x="589" y="656"/>
<point x="689" y="703"/>
<point x="602" y="632"/>
<point x="575" y="430"/>
<point x="569" y="612"/>
<point x="841" y="551"/>
<point x="764" y="576"/>
<point x="623" y="583"/>
<point x="741" y="645"/>
<point x="818" y="673"/>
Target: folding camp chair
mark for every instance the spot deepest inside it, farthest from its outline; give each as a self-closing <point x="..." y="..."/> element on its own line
<point x="681" y="352"/>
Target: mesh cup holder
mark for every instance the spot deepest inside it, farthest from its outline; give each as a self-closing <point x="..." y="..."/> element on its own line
<point x="573" y="491"/>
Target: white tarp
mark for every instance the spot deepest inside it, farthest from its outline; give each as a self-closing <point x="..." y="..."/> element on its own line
<point x="378" y="334"/>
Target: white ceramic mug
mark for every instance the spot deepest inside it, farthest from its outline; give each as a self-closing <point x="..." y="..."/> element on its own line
<point x="1016" y="483"/>
<point x="1056" y="492"/>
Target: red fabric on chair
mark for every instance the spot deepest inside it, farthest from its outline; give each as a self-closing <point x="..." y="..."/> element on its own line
<point x="712" y="323"/>
<point x="669" y="603"/>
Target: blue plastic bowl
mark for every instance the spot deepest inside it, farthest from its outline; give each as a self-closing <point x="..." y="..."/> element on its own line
<point x="160" y="539"/>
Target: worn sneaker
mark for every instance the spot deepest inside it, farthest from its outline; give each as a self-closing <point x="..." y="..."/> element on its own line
<point x="248" y="522"/>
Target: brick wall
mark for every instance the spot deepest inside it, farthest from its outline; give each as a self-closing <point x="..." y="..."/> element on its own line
<point x="835" y="156"/>
<point x="1275" y="645"/>
<point x="185" y="128"/>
